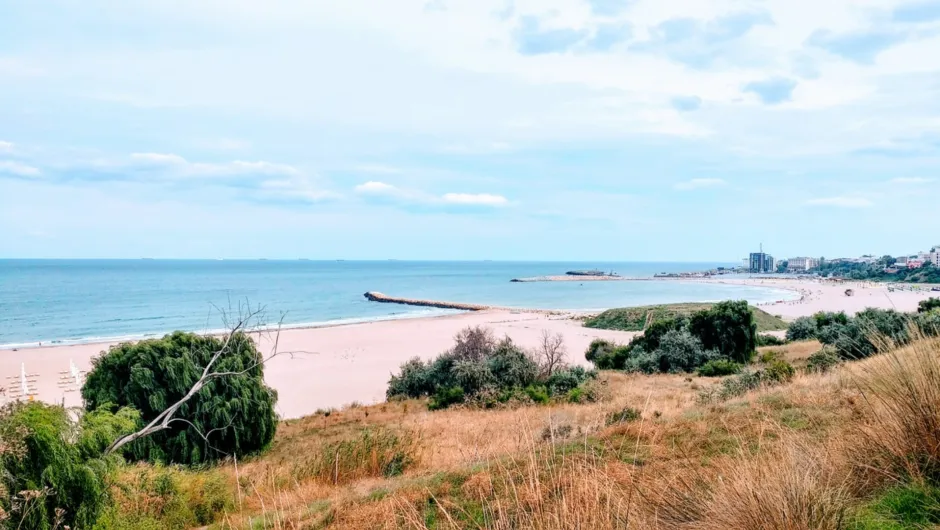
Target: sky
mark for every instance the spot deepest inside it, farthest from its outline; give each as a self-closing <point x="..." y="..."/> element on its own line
<point x="641" y="130"/>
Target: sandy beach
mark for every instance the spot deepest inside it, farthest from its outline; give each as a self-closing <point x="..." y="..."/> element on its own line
<point x="334" y="366"/>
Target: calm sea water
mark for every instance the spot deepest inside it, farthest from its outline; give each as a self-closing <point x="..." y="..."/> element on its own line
<point x="89" y="300"/>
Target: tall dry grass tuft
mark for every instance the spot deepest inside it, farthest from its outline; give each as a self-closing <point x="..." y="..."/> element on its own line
<point x="901" y="391"/>
<point x="795" y="487"/>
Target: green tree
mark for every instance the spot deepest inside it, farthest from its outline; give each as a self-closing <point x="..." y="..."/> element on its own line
<point x="231" y="414"/>
<point x="729" y="328"/>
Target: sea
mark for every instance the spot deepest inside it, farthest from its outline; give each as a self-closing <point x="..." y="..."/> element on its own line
<point x="79" y="301"/>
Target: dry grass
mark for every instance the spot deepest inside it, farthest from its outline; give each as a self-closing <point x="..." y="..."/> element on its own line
<point x="794" y="457"/>
<point x="793" y="352"/>
<point x="901" y="391"/>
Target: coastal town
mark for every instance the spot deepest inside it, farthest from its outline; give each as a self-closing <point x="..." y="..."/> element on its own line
<point x="761" y="262"/>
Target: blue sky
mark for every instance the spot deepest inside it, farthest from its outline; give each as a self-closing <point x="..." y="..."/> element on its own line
<point x="469" y="129"/>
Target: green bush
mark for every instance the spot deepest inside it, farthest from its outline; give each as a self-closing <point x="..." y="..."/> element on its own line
<point x="486" y="372"/>
<point x="725" y="330"/>
<point x="822" y="361"/>
<point x="719" y="368"/>
<point x="928" y="305"/>
<point x="729" y="328"/>
<point x="53" y="473"/>
<point x="803" y="328"/>
<point x="769" y="340"/>
<point x="151" y="375"/>
<point x="779" y="371"/>
<point x="627" y="415"/>
<point x="599" y="348"/>
<point x="446" y="397"/>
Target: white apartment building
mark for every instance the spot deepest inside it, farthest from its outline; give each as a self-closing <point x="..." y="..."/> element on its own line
<point x="935" y="256"/>
<point x="802" y="264"/>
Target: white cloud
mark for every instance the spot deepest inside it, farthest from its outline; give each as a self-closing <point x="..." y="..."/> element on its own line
<point x="376" y="188"/>
<point x="840" y="202"/>
<point x="179" y="166"/>
<point x="382" y="189"/>
<point x="6" y="147"/>
<point x="479" y="199"/>
<point x="19" y="169"/>
<point x="695" y="184"/>
<point x="911" y="180"/>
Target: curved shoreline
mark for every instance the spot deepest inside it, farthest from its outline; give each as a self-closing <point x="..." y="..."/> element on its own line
<point x="447" y="309"/>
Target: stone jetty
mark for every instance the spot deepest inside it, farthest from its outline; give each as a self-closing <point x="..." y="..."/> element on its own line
<point x="379" y="297"/>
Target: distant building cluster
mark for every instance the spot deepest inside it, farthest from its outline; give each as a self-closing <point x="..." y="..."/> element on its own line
<point x="802" y="264"/>
<point x="761" y="262"/>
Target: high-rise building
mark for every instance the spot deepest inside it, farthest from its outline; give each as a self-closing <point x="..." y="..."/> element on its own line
<point x="761" y="262"/>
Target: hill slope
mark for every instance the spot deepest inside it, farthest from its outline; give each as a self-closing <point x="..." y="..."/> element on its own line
<point x="636" y="318"/>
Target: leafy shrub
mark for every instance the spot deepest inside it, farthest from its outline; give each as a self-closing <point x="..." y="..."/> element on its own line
<point x="728" y="327"/>
<point x="151" y="375"/>
<point x="599" y="348"/>
<point x="769" y="340"/>
<point x="855" y="338"/>
<point x="53" y="473"/>
<point x="627" y="415"/>
<point x="822" y="361"/>
<point x="568" y="379"/>
<point x="770" y="356"/>
<point x="779" y="371"/>
<point x="537" y="393"/>
<point x="486" y="372"/>
<point x="803" y="328"/>
<point x="446" y="397"/>
<point x="718" y="368"/>
<point x="413" y="380"/>
<point x="928" y="305"/>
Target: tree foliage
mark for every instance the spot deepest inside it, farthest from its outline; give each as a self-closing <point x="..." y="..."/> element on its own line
<point x="53" y="474"/>
<point x="230" y="415"/>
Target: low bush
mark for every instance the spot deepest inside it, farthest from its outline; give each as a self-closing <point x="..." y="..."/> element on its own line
<point x="928" y="305"/>
<point x="770" y="340"/>
<point x="627" y="415"/>
<point x="779" y="371"/>
<point x="770" y="356"/>
<point x="822" y="361"/>
<point x="803" y="328"/>
<point x="485" y="372"/>
<point x="682" y="344"/>
<point x="719" y="368"/>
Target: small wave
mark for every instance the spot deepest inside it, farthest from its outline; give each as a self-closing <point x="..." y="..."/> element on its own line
<point x="264" y="327"/>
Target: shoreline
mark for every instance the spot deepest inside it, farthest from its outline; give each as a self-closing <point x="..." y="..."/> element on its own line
<point x="334" y="365"/>
<point x="430" y="313"/>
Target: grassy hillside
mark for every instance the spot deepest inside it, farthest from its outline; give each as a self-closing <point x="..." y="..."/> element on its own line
<point x="636" y="318"/>
<point x="809" y="454"/>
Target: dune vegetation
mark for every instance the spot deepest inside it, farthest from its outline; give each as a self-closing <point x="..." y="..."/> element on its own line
<point x="817" y="441"/>
<point x="638" y="318"/>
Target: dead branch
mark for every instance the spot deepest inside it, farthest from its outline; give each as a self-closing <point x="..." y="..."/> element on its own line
<point x="163" y="420"/>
